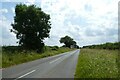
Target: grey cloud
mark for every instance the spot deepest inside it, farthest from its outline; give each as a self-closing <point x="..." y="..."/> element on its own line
<point x="100" y="32"/>
<point x="75" y="35"/>
<point x="112" y="32"/>
<point x="94" y="32"/>
<point x="88" y="7"/>
<point x="79" y="20"/>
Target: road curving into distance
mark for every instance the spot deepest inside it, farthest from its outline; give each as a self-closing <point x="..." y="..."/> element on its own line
<point x="58" y="66"/>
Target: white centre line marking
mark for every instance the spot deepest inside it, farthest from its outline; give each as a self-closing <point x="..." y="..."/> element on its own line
<point x="55" y="60"/>
<point x="25" y="74"/>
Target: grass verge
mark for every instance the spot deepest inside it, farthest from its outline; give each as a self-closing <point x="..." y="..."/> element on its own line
<point x="10" y="59"/>
<point x="0" y="57"/>
<point x="97" y="63"/>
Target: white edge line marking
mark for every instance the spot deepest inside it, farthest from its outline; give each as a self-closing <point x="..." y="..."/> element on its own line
<point x="55" y="60"/>
<point x="26" y="74"/>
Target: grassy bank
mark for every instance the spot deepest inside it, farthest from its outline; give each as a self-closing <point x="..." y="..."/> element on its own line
<point x="13" y="58"/>
<point x="0" y="60"/>
<point x="97" y="63"/>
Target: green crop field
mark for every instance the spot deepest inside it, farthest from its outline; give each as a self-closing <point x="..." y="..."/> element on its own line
<point x="97" y="63"/>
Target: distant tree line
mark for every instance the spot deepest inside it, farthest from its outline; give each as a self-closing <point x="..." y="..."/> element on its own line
<point x="15" y="49"/>
<point x="110" y="46"/>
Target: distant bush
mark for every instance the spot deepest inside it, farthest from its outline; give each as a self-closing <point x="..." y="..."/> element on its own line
<point x="11" y="48"/>
<point x="55" y="48"/>
<point x="110" y="46"/>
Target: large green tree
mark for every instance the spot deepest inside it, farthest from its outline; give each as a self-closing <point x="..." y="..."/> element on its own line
<point x="31" y="25"/>
<point x="68" y="41"/>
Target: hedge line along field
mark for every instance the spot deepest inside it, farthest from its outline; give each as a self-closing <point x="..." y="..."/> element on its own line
<point x="97" y="63"/>
<point x="12" y="56"/>
<point x="108" y="45"/>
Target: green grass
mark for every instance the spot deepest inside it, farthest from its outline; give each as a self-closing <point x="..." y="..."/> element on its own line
<point x="0" y="60"/>
<point x="97" y="63"/>
<point x="10" y="59"/>
<point x="0" y="57"/>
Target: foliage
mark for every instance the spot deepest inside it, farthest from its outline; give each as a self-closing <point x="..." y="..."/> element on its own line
<point x="11" y="49"/>
<point x="55" y="48"/>
<point x="110" y="46"/>
<point x="68" y="41"/>
<point x="31" y="25"/>
<point x="97" y="63"/>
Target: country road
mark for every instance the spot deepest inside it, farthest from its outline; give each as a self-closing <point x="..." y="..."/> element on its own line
<point x="58" y="66"/>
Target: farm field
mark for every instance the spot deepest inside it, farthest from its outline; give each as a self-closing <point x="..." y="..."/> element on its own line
<point x="97" y="63"/>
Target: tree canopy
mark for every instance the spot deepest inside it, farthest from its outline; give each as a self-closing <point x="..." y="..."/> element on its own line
<point x="31" y="25"/>
<point x="68" y="41"/>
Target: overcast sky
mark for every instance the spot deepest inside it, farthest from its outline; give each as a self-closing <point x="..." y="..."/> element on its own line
<point x="86" y="21"/>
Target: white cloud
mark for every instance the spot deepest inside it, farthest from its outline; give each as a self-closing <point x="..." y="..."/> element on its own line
<point x="3" y="11"/>
<point x="87" y="21"/>
<point x="6" y="37"/>
<point x="31" y="1"/>
<point x="15" y="0"/>
<point x="13" y="10"/>
<point x="99" y="16"/>
<point x="5" y="0"/>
